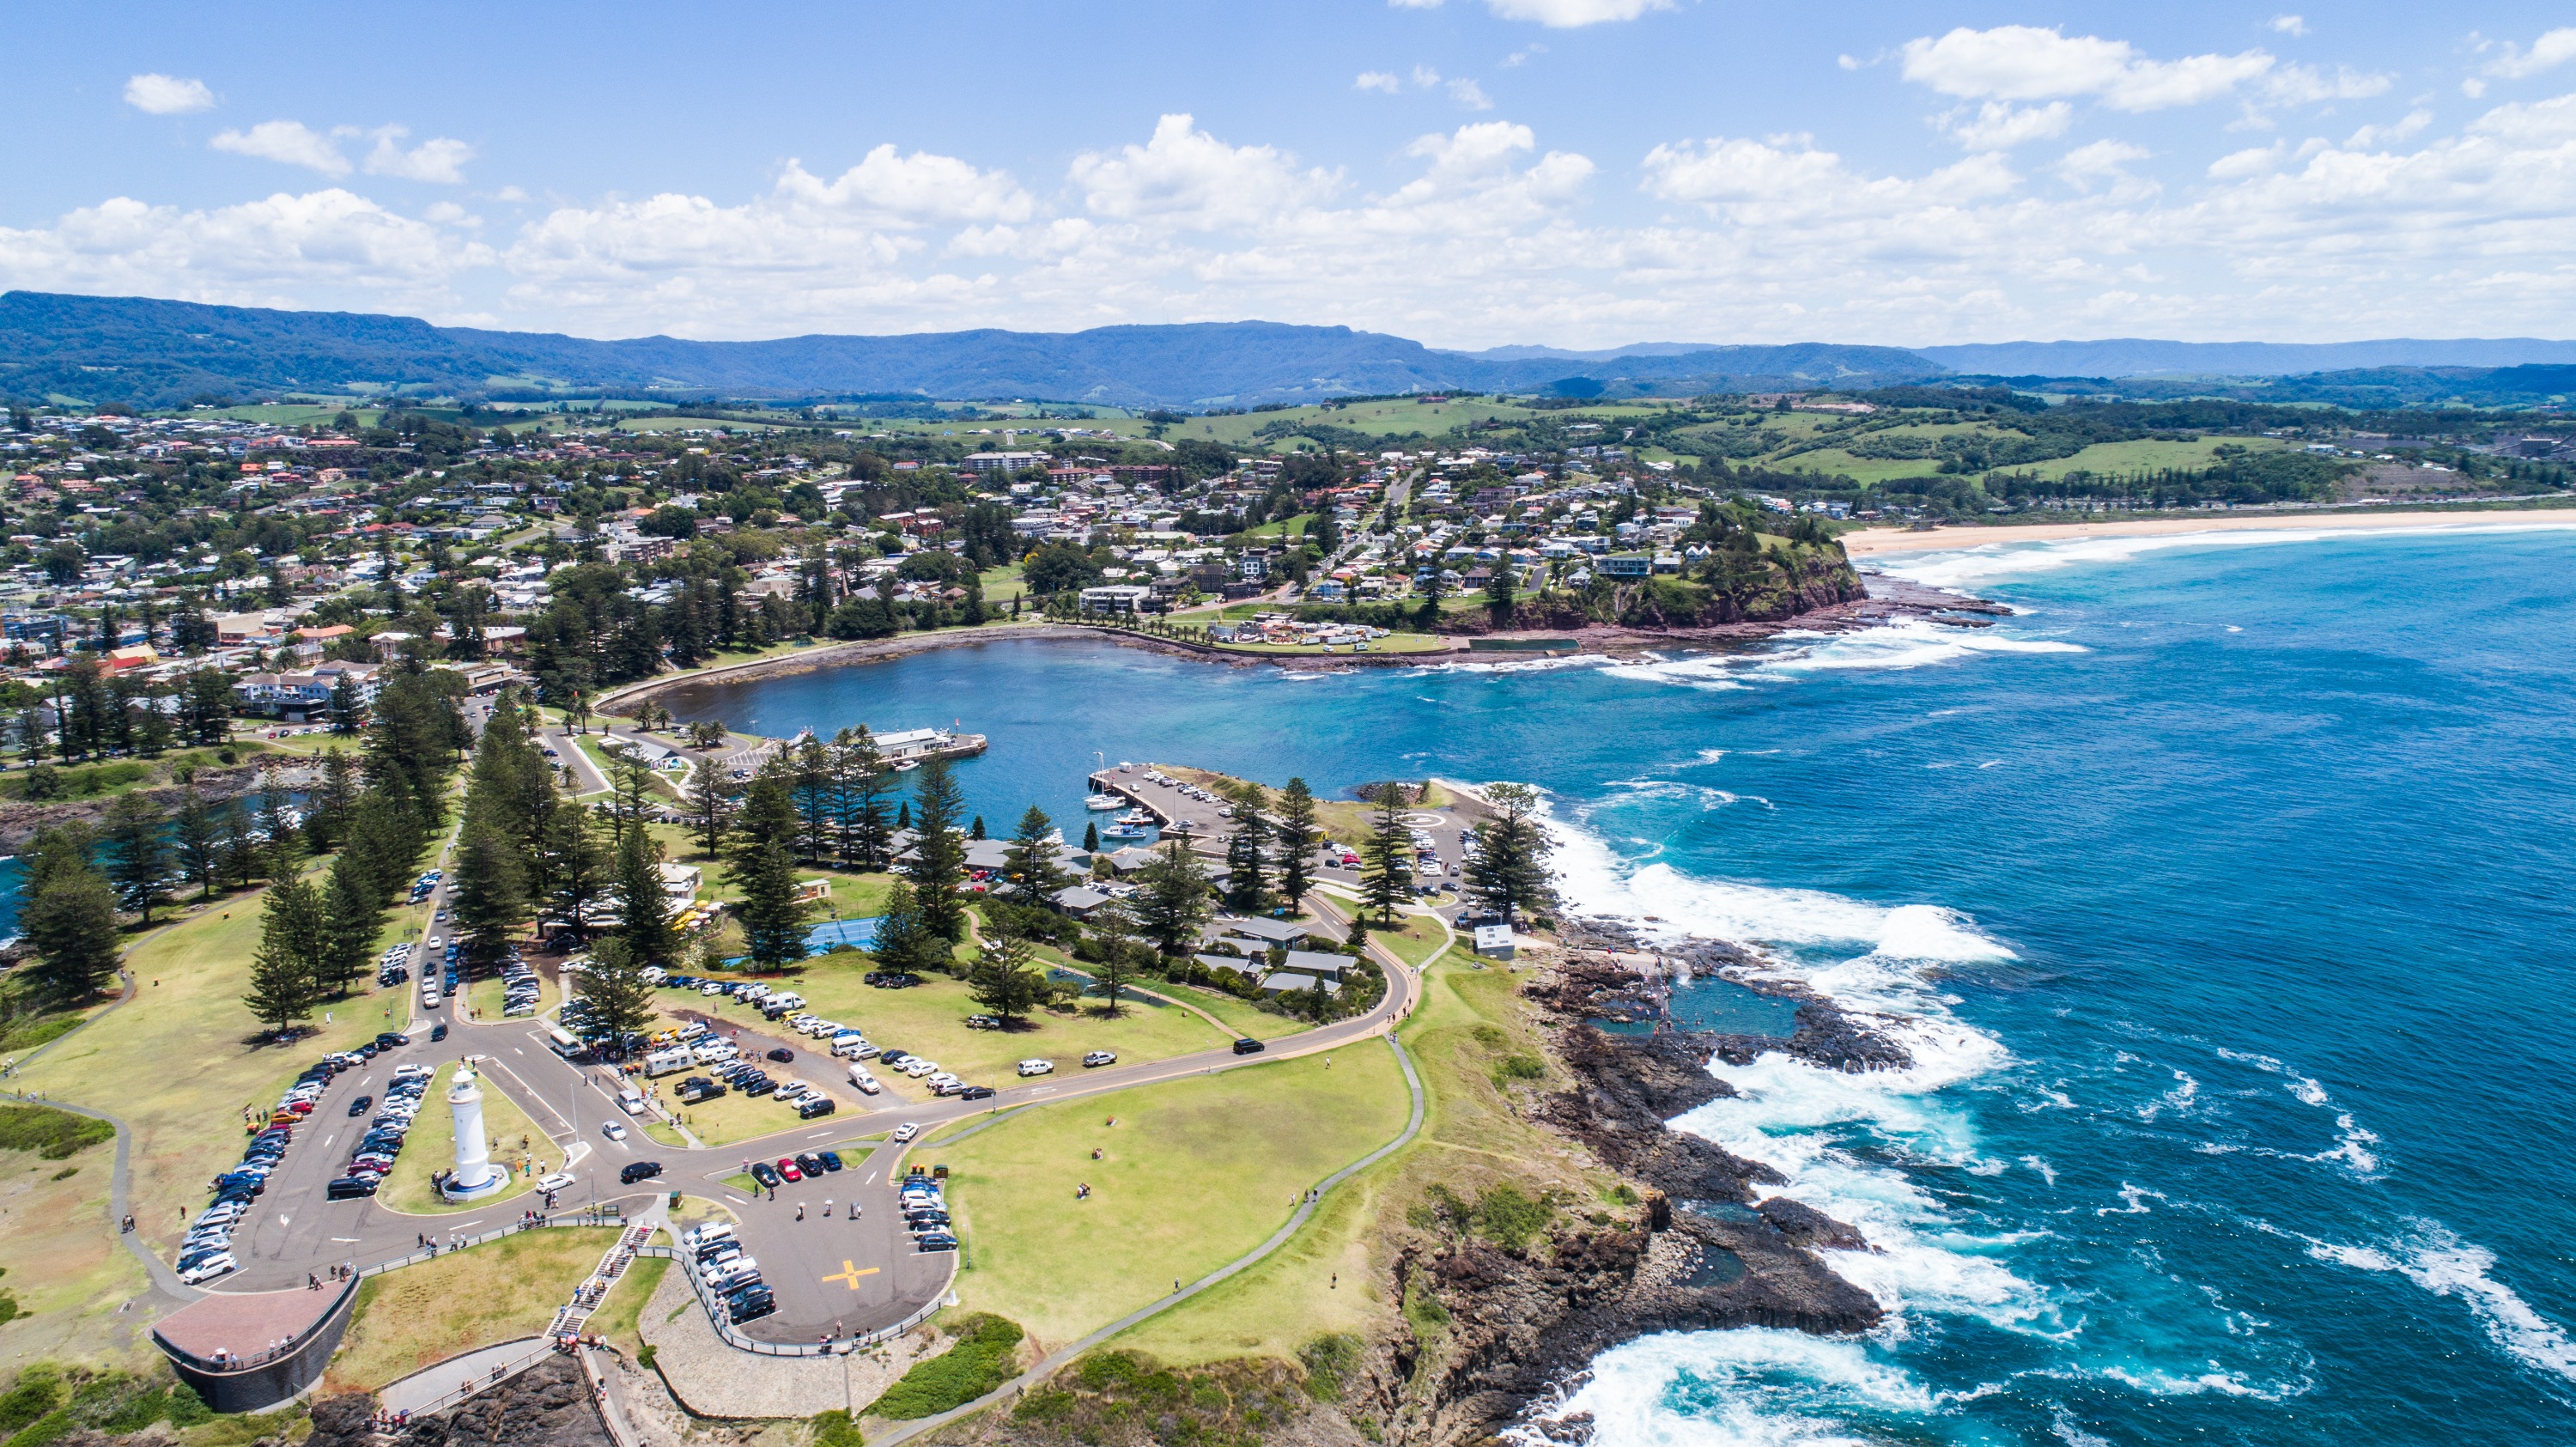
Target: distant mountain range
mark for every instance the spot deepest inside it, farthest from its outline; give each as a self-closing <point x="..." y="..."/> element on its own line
<point x="164" y="353"/>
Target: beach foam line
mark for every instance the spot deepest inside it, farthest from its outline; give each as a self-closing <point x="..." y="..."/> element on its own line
<point x="2004" y="558"/>
<point x="1748" y="1387"/>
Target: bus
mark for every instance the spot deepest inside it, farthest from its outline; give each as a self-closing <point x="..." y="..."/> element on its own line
<point x="568" y="1045"/>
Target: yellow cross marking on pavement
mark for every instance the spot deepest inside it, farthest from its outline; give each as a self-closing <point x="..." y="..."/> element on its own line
<point x="850" y="1273"/>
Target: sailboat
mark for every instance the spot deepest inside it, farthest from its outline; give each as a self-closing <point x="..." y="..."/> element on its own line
<point x="1103" y="803"/>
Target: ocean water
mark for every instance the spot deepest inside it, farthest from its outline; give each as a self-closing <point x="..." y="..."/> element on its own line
<point x="2222" y="897"/>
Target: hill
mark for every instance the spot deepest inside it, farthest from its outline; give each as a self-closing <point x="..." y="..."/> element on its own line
<point x="161" y="353"/>
<point x="2132" y="357"/>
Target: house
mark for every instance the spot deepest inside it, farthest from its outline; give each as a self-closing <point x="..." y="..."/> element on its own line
<point x="1627" y="565"/>
<point x="296" y="697"/>
<point x="1281" y="982"/>
<point x="1310" y="962"/>
<point x="680" y="883"/>
<point x="1494" y="941"/>
<point x="814" y="889"/>
<point x="141" y="655"/>
<point x="1115" y="598"/>
<point x="1249" y="969"/>
<point x="1272" y="932"/>
<point x="1078" y="901"/>
<point x="310" y="642"/>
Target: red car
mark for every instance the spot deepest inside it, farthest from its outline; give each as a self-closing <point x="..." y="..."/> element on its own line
<point x="787" y="1168"/>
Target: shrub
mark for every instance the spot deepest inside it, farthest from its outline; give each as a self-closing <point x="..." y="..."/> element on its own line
<point x="1518" y="1067"/>
<point x="52" y="1134"/>
<point x="982" y="1360"/>
<point x="1329" y="1361"/>
<point x="1509" y="1218"/>
<point x="38" y="1390"/>
<point x="835" y="1429"/>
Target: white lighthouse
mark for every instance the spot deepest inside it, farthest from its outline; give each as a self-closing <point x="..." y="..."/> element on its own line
<point x="474" y="1177"/>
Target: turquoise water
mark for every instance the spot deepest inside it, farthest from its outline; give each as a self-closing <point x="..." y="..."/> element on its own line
<point x="2222" y="898"/>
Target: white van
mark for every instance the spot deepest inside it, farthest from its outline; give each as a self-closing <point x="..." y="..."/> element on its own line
<point x="866" y="1082"/>
<point x="697" y="1236"/>
<point x="787" y="1001"/>
<point x="630" y="1100"/>
<point x="852" y="1047"/>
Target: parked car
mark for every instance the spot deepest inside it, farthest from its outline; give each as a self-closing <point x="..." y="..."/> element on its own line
<point x="1100" y="1057"/>
<point x="831" y="1159"/>
<point x="1037" y="1067"/>
<point x="821" y="1105"/>
<point x="762" y="1172"/>
<point x="787" y="1169"/>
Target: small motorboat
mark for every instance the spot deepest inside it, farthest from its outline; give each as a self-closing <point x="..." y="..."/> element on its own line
<point x="1101" y="803"/>
<point x="906" y="766"/>
<point x="1125" y="831"/>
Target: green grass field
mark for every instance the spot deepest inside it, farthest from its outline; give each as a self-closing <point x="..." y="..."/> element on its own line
<point x="416" y="1317"/>
<point x="64" y="1265"/>
<point x="1195" y="1173"/>
<point x="188" y="1122"/>
<point x="929" y="1019"/>
<point x="431" y="1146"/>
<point x="1469" y="1021"/>
<point x="487" y="997"/>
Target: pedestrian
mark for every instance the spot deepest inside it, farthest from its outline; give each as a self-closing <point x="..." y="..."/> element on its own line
<point x="800" y="1210"/>
<point x="827" y="1208"/>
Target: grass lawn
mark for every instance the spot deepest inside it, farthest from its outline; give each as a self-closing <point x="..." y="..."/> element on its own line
<point x="930" y="1019"/>
<point x="431" y="1146"/>
<point x="616" y="1318"/>
<point x="187" y="1122"/>
<point x="1195" y="1173"/>
<point x="1469" y="1021"/>
<point x="1392" y="643"/>
<point x="409" y="1319"/>
<point x="1241" y="1016"/>
<point x="1418" y="942"/>
<point x="1002" y="584"/>
<point x="63" y="1263"/>
<point x="734" y="1116"/>
<point x="487" y="997"/>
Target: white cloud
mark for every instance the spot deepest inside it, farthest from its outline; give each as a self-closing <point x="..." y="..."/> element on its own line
<point x="283" y="250"/>
<point x="1556" y="14"/>
<point x="1568" y="14"/>
<point x="2024" y="62"/>
<point x="2302" y="85"/>
<point x="1471" y="95"/>
<point x="2416" y="120"/>
<point x="291" y="143"/>
<point x="2290" y="24"/>
<point x="2001" y="125"/>
<point x="2553" y="48"/>
<point x="440" y="160"/>
<point x="1187" y="177"/>
<point x="898" y="190"/>
<point x="2254" y="161"/>
<point x="168" y="95"/>
<point x="1425" y="77"/>
<point x="2101" y="163"/>
<point x="1521" y="56"/>
<point x="1382" y="81"/>
<point x="1481" y="235"/>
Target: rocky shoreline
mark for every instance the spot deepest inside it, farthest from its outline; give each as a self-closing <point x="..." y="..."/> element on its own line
<point x="1711" y="1246"/>
<point x="1888" y="600"/>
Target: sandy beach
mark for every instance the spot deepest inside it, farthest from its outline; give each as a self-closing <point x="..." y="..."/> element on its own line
<point x="1872" y="541"/>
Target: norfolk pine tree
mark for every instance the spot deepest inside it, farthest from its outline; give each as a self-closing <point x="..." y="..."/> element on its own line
<point x="1297" y="838"/>
<point x="938" y="864"/>
<point x="1386" y="856"/>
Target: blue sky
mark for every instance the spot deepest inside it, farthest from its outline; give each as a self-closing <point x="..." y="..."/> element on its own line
<point x="1471" y="172"/>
